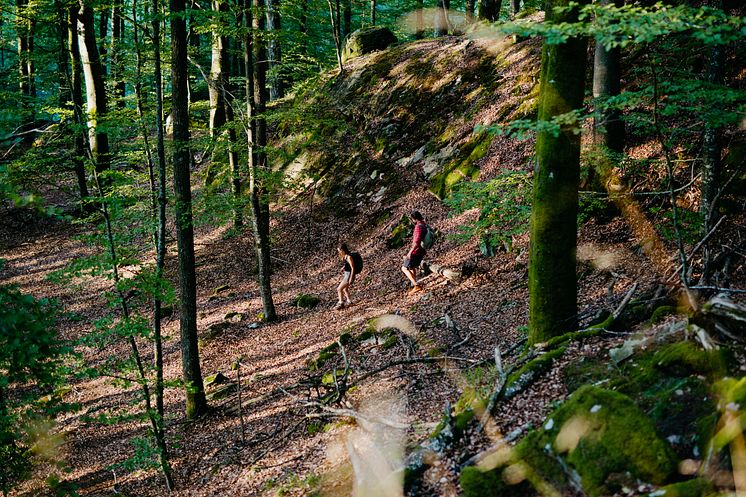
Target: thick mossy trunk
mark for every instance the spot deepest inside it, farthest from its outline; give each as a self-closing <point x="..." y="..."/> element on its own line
<point x="552" y="280"/>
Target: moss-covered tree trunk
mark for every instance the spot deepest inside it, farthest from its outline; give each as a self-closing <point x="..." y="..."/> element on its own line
<point x="552" y="280"/>
<point x="196" y="404"/>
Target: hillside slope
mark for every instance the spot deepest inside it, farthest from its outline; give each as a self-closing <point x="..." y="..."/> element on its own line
<point x="391" y="135"/>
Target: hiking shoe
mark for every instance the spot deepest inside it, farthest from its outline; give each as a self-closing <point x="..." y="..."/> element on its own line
<point x="348" y="303"/>
<point x="339" y="306"/>
<point x="415" y="289"/>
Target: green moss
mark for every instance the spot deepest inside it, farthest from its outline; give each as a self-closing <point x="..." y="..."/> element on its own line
<point x="616" y="438"/>
<point x="661" y="312"/>
<point x="477" y="483"/>
<point x="305" y="301"/>
<point x="685" y="358"/>
<point x="697" y="487"/>
<point x="399" y="233"/>
<point x="464" y="166"/>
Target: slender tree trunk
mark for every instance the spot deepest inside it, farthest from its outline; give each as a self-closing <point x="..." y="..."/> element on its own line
<point x="303" y="27"/>
<point x="469" y="10"/>
<point x="552" y="279"/>
<point x="515" y="7"/>
<point x="160" y="244"/>
<point x="63" y="56"/>
<point x="334" y="17"/>
<point x="346" y="19"/>
<point x="258" y="166"/>
<point x="98" y="140"/>
<point x="195" y="40"/>
<point x="196" y="404"/>
<point x="116" y="56"/>
<point x="24" y="29"/>
<point x="608" y="129"/>
<point x="441" y="21"/>
<point x="489" y="10"/>
<point x="419" y="20"/>
<point x="216" y="85"/>
<point x="372" y="12"/>
<point x="712" y="149"/>
<point x="274" y="27"/>
<point x="76" y="92"/>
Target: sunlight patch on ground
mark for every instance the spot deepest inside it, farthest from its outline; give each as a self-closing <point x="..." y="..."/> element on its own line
<point x="600" y="259"/>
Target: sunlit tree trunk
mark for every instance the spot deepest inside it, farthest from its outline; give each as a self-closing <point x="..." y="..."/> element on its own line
<point x="469" y="10"/>
<point x="274" y="46"/>
<point x="552" y="280"/>
<point x="216" y="85"/>
<point x="372" y="12"/>
<point x="98" y="139"/>
<point x="196" y="404"/>
<point x="258" y="165"/>
<point x="334" y="17"/>
<point x="76" y="93"/>
<point x="116" y="53"/>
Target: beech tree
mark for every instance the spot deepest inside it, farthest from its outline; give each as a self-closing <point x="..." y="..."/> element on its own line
<point x="196" y="403"/>
<point x="552" y="280"/>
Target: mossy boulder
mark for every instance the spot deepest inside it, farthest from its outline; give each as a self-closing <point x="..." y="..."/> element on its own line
<point x="464" y="167"/>
<point x="686" y="358"/>
<point x="598" y="435"/>
<point x="367" y="40"/>
<point x="305" y="301"/>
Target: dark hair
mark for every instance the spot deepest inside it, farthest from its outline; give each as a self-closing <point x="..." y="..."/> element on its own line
<point x="416" y="216"/>
<point x="343" y="248"/>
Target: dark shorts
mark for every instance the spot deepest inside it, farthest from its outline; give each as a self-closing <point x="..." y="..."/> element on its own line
<point x="412" y="262"/>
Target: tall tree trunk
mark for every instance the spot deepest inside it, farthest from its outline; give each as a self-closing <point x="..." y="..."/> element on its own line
<point x="334" y="17"/>
<point x="608" y="127"/>
<point x="372" y="12"/>
<point x="98" y="139"/>
<point x="216" y="85"/>
<point x="194" y="36"/>
<point x="63" y="55"/>
<point x="469" y="10"/>
<point x="196" y="404"/>
<point x="76" y="92"/>
<point x="712" y="149"/>
<point x="116" y="55"/>
<point x="489" y="10"/>
<point x="258" y="166"/>
<point x="441" y="21"/>
<point x="25" y="35"/>
<point x="274" y="27"/>
<point x="552" y="279"/>
<point x="346" y="19"/>
<point x="419" y="20"/>
<point x="515" y="7"/>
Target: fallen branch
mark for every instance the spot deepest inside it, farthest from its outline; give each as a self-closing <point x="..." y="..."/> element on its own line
<point x="618" y="311"/>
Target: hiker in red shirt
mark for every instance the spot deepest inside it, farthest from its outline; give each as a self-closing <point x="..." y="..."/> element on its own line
<point x="416" y="251"/>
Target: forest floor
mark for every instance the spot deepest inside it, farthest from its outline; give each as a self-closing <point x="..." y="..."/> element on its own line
<point x="290" y="446"/>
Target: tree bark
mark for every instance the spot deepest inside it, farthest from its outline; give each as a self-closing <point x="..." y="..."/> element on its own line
<point x="274" y="27"/>
<point x="372" y="12"/>
<point x="469" y="10"/>
<point x="441" y="21"/>
<point x="419" y="20"/>
<point x="489" y="10"/>
<point x="216" y="85"/>
<point x="258" y="166"/>
<point x="346" y="19"/>
<point x="552" y="279"/>
<point x="76" y="93"/>
<point x="25" y="35"/>
<point x="98" y="140"/>
<point x="608" y="127"/>
<point x="712" y="149"/>
<point x="196" y="404"/>
<point x="334" y="17"/>
<point x="117" y="44"/>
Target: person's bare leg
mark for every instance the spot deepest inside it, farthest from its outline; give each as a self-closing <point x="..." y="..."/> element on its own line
<point x="411" y="275"/>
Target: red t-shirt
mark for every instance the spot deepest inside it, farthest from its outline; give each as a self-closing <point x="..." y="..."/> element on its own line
<point x="417" y="236"/>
